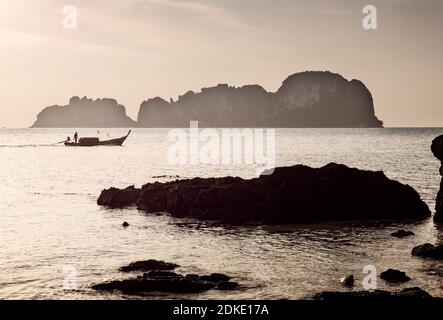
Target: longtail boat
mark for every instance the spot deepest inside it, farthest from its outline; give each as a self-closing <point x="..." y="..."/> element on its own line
<point x="92" y="142"/>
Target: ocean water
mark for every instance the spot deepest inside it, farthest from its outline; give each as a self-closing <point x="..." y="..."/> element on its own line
<point x="52" y="232"/>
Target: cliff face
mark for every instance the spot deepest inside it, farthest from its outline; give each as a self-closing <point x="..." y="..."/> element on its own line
<point x="308" y="99"/>
<point x="85" y="113"/>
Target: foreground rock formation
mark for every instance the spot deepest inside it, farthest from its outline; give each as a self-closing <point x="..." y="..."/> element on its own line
<point x="159" y="278"/>
<point x="437" y="150"/>
<point x="297" y="194"/>
<point x="307" y="99"/>
<point x="85" y="113"/>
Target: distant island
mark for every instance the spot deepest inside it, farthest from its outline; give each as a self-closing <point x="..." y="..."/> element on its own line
<point x="85" y="113"/>
<point x="307" y="99"/>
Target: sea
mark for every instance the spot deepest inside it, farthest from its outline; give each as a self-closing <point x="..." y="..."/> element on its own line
<point x="56" y="242"/>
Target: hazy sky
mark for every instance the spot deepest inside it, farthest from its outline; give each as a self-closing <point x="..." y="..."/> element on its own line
<point x="132" y="50"/>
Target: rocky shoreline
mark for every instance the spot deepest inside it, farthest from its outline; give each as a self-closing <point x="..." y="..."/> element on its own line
<point x="297" y="194"/>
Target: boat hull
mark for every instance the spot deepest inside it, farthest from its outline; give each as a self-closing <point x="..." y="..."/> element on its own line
<point x="113" y="142"/>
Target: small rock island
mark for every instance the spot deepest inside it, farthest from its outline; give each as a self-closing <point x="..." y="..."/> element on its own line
<point x="85" y="113"/>
<point x="291" y="195"/>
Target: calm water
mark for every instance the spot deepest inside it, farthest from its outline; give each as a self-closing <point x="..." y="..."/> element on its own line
<point x="50" y="218"/>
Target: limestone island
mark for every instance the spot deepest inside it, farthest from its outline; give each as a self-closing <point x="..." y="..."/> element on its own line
<point x="311" y="99"/>
<point x="85" y="113"/>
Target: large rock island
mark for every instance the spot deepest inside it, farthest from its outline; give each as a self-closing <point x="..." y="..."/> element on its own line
<point x="85" y="113"/>
<point x="297" y="194"/>
<point x="307" y="99"/>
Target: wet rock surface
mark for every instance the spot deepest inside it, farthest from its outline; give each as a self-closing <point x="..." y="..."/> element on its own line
<point x="428" y="250"/>
<point x="159" y="278"/>
<point x="297" y="194"/>
<point x="414" y="293"/>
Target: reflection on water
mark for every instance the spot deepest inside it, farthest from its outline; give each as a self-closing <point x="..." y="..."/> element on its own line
<point x="50" y="218"/>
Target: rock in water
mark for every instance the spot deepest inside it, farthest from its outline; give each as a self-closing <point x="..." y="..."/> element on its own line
<point x="395" y="276"/>
<point x="297" y="194"/>
<point x="402" y="233"/>
<point x="428" y="250"/>
<point x="347" y="281"/>
<point x="161" y="280"/>
<point x="148" y="265"/>
<point x="437" y="150"/>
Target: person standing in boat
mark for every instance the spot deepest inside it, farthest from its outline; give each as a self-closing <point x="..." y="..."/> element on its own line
<point x="75" y="137"/>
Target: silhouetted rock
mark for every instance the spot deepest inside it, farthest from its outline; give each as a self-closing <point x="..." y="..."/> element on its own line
<point x="374" y="296"/>
<point x="85" y="113"/>
<point x="395" y="276"/>
<point x="161" y="280"/>
<point x="297" y="194"/>
<point x="437" y="150"/>
<point x="148" y="265"/>
<point x="402" y="233"/>
<point x="307" y="99"/>
<point x="125" y="224"/>
<point x="428" y="250"/>
<point x="437" y="147"/>
<point x="347" y="281"/>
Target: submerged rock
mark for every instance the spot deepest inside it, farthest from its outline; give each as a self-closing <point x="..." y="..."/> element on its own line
<point x="148" y="265"/>
<point x="437" y="150"/>
<point x="428" y="250"/>
<point x="414" y="293"/>
<point x="227" y="285"/>
<point x="297" y="194"/>
<point x="161" y="280"/>
<point x="395" y="276"/>
<point x="173" y="284"/>
<point x="402" y="233"/>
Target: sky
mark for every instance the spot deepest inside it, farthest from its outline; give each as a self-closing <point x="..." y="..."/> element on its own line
<point x="132" y="50"/>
